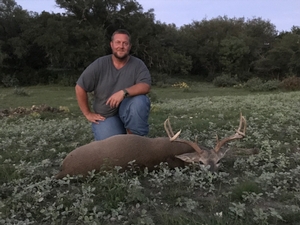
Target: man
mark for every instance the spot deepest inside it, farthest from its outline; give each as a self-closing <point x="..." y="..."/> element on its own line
<point x="120" y="83"/>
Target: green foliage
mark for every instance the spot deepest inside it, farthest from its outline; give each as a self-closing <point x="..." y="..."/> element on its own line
<point x="153" y="96"/>
<point x="159" y="79"/>
<point x="68" y="78"/>
<point x="275" y="62"/>
<point x="291" y="83"/>
<point x="225" y="80"/>
<point x="20" y="91"/>
<point x="9" y="81"/>
<point x="35" y="48"/>
<point x="245" y="76"/>
<point x="261" y="188"/>
<point x="254" y="84"/>
<point x="234" y="53"/>
<point x="271" y="85"/>
<point x="244" y="187"/>
<point x="257" y="84"/>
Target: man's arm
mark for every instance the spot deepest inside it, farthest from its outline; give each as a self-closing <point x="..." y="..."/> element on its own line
<point x="82" y="99"/>
<point x="137" y="89"/>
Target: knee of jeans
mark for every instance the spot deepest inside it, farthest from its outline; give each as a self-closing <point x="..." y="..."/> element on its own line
<point x="135" y="104"/>
<point x="140" y="102"/>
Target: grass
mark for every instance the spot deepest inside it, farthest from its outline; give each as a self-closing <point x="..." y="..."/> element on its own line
<point x="51" y="95"/>
<point x="260" y="188"/>
<point x="55" y="96"/>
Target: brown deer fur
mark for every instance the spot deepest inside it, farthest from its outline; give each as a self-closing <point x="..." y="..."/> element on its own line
<point x="119" y="150"/>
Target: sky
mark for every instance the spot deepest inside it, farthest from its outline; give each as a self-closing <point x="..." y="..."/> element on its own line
<point x="282" y="13"/>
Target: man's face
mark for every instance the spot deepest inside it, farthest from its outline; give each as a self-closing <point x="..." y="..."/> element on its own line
<point x="120" y="46"/>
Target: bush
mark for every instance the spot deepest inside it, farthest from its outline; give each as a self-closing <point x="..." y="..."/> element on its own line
<point x="161" y="84"/>
<point x="291" y="83"/>
<point x="159" y="79"/>
<point x="271" y="85"/>
<point x="20" y="91"/>
<point x="9" y="81"/>
<point x="225" y="80"/>
<point x="45" y="76"/>
<point x="67" y="79"/>
<point x="257" y="84"/>
<point x="254" y="84"/>
<point x="153" y="96"/>
<point x="245" y="76"/>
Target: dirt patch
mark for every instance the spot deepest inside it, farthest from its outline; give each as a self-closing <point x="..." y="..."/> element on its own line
<point x="34" y="109"/>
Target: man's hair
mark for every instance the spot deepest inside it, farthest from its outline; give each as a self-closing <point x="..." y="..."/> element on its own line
<point x="121" y="31"/>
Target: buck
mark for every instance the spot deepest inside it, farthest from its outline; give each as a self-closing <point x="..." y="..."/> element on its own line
<point x="147" y="152"/>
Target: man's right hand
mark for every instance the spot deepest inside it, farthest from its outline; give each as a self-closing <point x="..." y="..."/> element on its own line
<point x="94" y="117"/>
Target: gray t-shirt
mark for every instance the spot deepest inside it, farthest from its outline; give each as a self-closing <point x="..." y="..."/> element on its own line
<point x="104" y="79"/>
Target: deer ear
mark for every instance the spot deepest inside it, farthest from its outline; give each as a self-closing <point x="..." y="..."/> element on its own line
<point x="190" y="157"/>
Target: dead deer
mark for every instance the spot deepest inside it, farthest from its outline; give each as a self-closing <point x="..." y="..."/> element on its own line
<point x="147" y="152"/>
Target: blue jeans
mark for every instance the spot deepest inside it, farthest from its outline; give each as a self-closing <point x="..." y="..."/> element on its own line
<point x="133" y="115"/>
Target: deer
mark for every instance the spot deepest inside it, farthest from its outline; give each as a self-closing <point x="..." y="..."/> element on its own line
<point x="145" y="152"/>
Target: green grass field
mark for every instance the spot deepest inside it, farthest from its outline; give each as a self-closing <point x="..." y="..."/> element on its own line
<point x="258" y="181"/>
<point x="56" y="96"/>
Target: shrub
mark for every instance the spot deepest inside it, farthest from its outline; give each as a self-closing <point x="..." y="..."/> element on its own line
<point x="44" y="76"/>
<point x="245" y="76"/>
<point x="161" y="84"/>
<point x="67" y="79"/>
<point x="225" y="80"/>
<point x="153" y="96"/>
<point x="291" y="83"/>
<point x="257" y="84"/>
<point x="9" y="81"/>
<point x="20" y="91"/>
<point x="271" y="85"/>
<point x="159" y="79"/>
<point x="254" y="84"/>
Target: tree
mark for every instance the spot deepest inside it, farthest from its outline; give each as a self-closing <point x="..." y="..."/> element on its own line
<point x="282" y="57"/>
<point x="68" y="43"/>
<point x="233" y="55"/>
<point x="14" y="47"/>
<point x="275" y="63"/>
<point x="291" y="41"/>
<point x="202" y="41"/>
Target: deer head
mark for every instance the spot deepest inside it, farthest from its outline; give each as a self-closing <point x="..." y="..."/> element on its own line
<point x="212" y="156"/>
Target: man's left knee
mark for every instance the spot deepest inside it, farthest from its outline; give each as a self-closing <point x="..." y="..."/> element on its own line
<point x="136" y="103"/>
<point x="134" y="113"/>
<point x="140" y="102"/>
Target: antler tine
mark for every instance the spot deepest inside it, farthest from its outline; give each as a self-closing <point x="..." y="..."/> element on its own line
<point x="173" y="137"/>
<point x="240" y="133"/>
<point x="169" y="130"/>
<point x="242" y="122"/>
<point x="194" y="145"/>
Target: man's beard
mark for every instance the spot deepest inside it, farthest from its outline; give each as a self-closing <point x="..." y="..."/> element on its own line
<point x="122" y="58"/>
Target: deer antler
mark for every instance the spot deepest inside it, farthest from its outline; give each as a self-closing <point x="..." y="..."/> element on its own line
<point x="173" y="137"/>
<point x="240" y="133"/>
<point x="169" y="130"/>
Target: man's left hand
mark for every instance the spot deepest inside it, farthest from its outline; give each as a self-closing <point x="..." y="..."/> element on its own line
<point x="115" y="100"/>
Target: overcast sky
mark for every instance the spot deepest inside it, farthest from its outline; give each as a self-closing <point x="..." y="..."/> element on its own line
<point x="282" y="13"/>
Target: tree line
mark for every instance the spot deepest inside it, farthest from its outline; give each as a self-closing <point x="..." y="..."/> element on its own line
<point x="43" y="48"/>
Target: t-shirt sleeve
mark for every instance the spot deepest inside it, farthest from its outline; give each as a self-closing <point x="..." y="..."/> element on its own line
<point x="87" y="78"/>
<point x="143" y="75"/>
